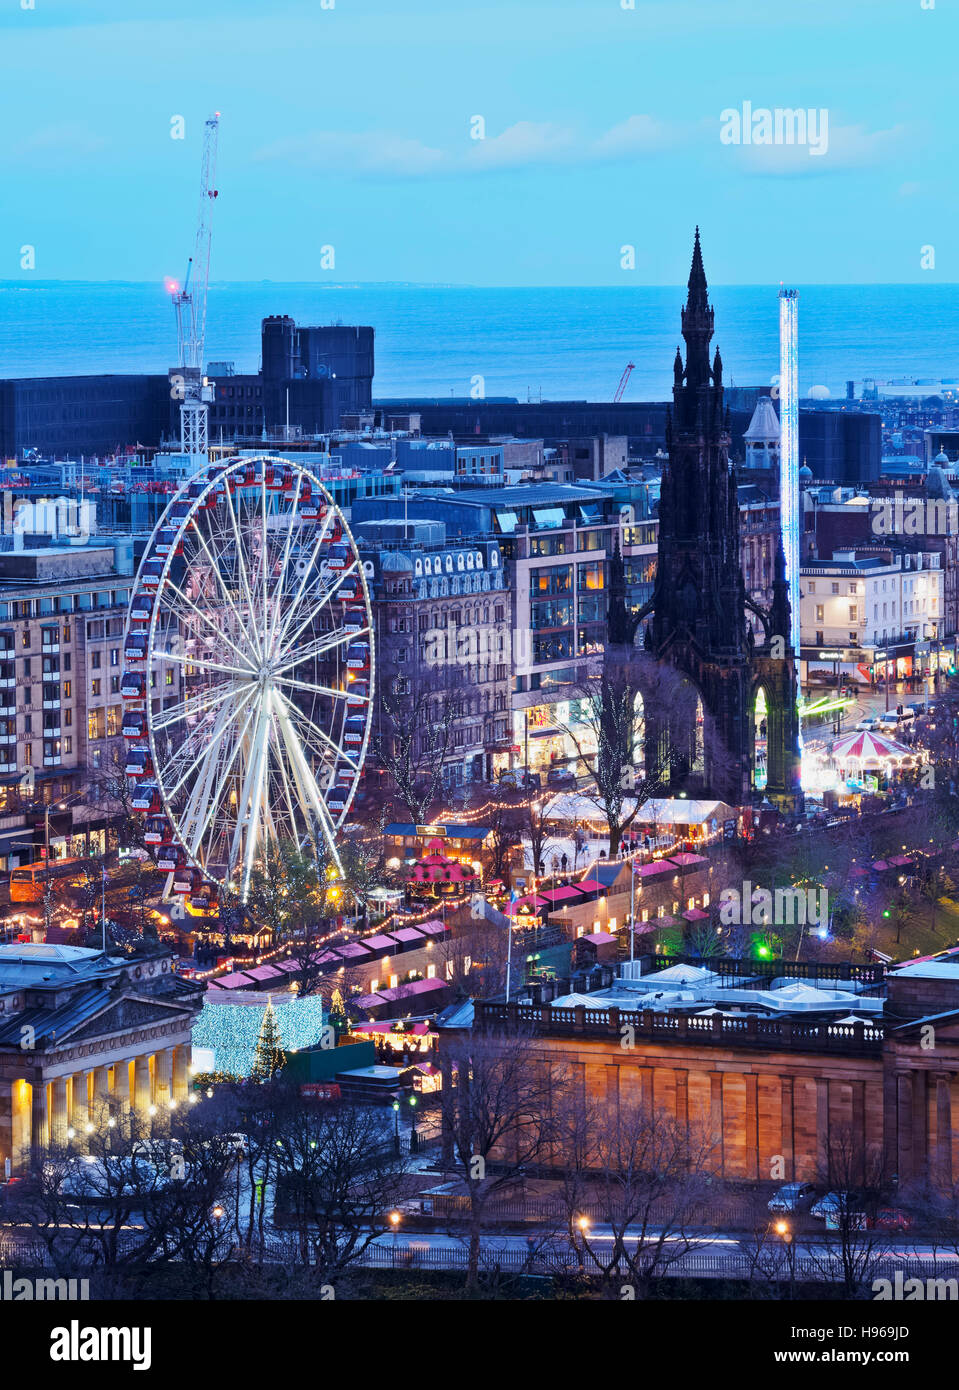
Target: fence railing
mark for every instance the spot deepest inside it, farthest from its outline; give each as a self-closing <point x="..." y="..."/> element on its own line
<point x="746" y="1030"/>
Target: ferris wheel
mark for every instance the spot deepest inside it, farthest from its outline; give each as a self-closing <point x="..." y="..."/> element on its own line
<point x="253" y="592"/>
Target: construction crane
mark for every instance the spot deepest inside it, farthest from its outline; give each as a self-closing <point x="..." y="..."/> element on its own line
<point x="189" y="305"/>
<point x="627" y="373"/>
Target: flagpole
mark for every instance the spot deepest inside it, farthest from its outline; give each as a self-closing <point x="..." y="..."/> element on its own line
<point x="632" y="907"/>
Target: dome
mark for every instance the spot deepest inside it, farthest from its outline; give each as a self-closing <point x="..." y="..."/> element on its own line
<point x="819" y="393"/>
<point x="395" y="563"/>
<point x="937" y="484"/>
<point x="764" y="426"/>
<point x="942" y="458"/>
<point x="805" y="474"/>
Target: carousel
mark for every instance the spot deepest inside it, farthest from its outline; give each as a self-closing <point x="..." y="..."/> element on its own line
<point x="861" y="753"/>
<point x="436" y="875"/>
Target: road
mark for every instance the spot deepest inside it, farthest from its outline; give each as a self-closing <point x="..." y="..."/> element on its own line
<point x="717" y="1256"/>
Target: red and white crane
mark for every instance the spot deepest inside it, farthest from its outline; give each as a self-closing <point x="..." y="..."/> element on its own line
<point x="627" y="373"/>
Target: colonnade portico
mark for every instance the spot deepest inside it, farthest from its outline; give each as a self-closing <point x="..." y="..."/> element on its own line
<point x="53" y="1111"/>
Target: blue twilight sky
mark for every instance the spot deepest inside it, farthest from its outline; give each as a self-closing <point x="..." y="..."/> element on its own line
<point x="351" y="127"/>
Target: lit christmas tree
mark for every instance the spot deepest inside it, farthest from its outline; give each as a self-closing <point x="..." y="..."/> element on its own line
<point x="338" y="1020"/>
<point x="268" y="1057"/>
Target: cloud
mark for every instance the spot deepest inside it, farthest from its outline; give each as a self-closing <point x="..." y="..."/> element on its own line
<point x="524" y="144"/>
<point x="633" y="136"/>
<point x="372" y="152"/>
<point x="848" y="147"/>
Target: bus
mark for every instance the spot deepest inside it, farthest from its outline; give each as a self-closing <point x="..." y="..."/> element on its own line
<point x="28" y="881"/>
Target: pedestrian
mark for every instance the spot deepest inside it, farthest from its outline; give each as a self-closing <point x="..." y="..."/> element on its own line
<point x="564" y="860"/>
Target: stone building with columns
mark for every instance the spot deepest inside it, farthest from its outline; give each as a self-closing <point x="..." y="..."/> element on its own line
<point x="778" y="1074"/>
<point x="81" y="1029"/>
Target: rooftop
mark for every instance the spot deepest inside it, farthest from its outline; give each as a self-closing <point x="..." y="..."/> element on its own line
<point x="25" y="966"/>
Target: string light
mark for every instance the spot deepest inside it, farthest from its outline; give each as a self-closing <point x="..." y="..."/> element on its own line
<point x="231" y="1027"/>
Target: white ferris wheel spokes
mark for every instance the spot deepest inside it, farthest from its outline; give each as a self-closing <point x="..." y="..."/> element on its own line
<point x="253" y="593"/>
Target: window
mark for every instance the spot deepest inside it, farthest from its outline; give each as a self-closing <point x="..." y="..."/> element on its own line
<point x="28" y="754"/>
<point x="68" y="745"/>
<point x="67" y="689"/>
<point x="168" y="677"/>
<point x="68" y="717"/>
<point x="835" y="588"/>
<point x="820" y="613"/>
<point x="113" y="721"/>
<point x="95" y="661"/>
<point x="812" y="586"/>
<point x="95" y="724"/>
<point x="114" y="656"/>
<point x="95" y="688"/>
<point x="853" y="613"/>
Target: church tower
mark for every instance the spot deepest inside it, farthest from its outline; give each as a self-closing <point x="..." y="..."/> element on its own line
<point x="698" y="623"/>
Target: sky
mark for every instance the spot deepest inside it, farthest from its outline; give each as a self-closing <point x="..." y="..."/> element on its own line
<point x="351" y="124"/>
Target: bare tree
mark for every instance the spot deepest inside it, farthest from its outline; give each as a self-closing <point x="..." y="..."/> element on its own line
<point x="134" y="1202"/>
<point x="852" y="1245"/>
<point x="112" y="791"/>
<point x="473" y="960"/>
<point x="639" y="1174"/>
<point x="537" y="828"/>
<point x="416" y="736"/>
<point x="503" y="818"/>
<point x="496" y="1120"/>
<point x="337" y="1178"/>
<point x="625" y="767"/>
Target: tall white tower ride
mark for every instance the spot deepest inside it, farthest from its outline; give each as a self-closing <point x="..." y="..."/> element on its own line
<point x="789" y="450"/>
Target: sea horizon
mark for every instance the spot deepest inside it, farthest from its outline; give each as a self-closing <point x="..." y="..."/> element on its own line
<point x="528" y="342"/>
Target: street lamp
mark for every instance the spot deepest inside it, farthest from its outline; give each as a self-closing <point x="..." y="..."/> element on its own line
<point x="414" y="1137"/>
<point x="784" y="1232"/>
<point x="396" y="1130"/>
<point x="395" y="1219"/>
<point x="582" y="1223"/>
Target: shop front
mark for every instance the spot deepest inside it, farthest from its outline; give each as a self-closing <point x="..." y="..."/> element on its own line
<point x="546" y="736"/>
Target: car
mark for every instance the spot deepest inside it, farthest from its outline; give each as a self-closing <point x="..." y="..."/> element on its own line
<point x="519" y="779"/>
<point x="889" y="720"/>
<point x="560" y="777"/>
<point x="867" y="725"/>
<point x="792" y="1196"/>
<point x="839" y="1206"/>
<point x="891" y="1219"/>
